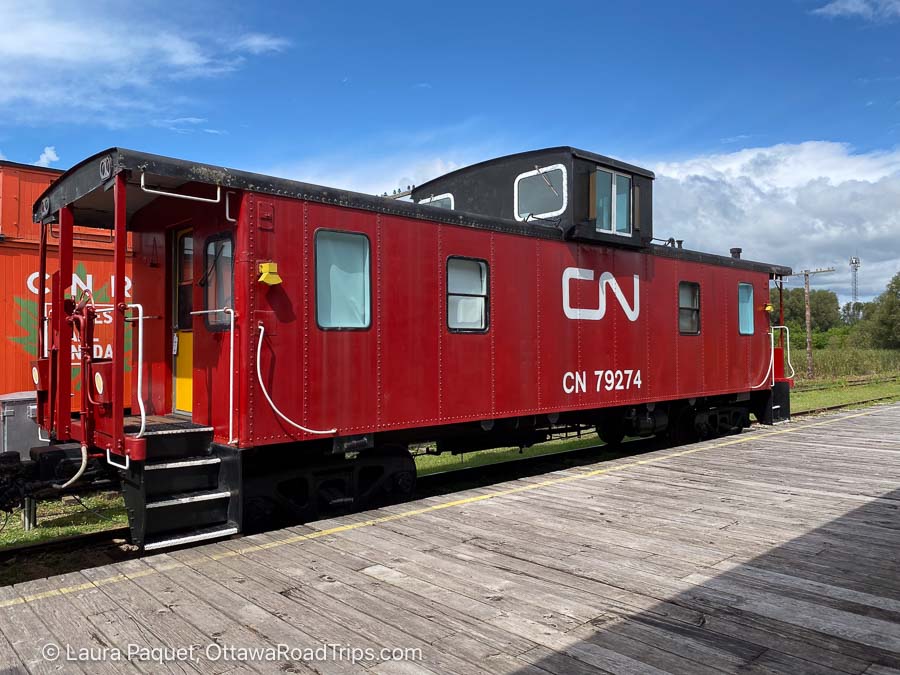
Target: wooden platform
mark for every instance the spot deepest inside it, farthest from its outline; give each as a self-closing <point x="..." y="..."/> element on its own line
<point x="773" y="551"/>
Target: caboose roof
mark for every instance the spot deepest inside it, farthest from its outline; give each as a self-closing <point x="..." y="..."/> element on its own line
<point x="85" y="188"/>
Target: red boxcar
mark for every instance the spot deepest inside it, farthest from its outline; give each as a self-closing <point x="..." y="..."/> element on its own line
<point x="20" y="290"/>
<point x="297" y="339"/>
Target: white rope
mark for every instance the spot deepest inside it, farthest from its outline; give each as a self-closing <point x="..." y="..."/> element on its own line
<point x="262" y="386"/>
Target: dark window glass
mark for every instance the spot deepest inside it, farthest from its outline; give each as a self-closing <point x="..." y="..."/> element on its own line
<point x="688" y="308"/>
<point x="218" y="279"/>
<point x="185" y="283"/>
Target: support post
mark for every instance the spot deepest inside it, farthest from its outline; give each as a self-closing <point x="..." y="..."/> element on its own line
<point x="63" y="327"/>
<point x="809" y="363"/>
<point x="118" y="388"/>
<point x="42" y="311"/>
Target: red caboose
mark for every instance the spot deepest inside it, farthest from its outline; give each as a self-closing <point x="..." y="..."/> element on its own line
<point x="294" y="340"/>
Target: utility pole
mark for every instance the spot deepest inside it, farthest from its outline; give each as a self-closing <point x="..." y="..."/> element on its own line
<point x="806" y="274"/>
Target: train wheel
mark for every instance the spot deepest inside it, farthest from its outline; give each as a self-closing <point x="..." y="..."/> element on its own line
<point x="682" y="428"/>
<point x="611" y="431"/>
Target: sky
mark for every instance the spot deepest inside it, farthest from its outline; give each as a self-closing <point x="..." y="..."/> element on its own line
<point x="773" y="125"/>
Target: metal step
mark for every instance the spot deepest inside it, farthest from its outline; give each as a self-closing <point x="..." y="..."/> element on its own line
<point x="189" y="498"/>
<point x="183" y="464"/>
<point x="191" y="537"/>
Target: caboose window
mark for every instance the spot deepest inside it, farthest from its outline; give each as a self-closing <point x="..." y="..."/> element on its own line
<point x="611" y="208"/>
<point x="218" y="278"/>
<point x="342" y="280"/>
<point x="467" y="295"/>
<point x="689" y="308"/>
<point x="745" y="309"/>
<point x="542" y="193"/>
<point x="444" y="201"/>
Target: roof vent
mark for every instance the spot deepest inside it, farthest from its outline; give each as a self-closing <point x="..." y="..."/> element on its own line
<point x="736" y="253"/>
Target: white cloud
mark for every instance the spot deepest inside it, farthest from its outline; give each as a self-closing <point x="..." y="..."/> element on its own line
<point x="47" y="157"/>
<point x="805" y="205"/>
<point x="259" y="43"/>
<point x="2" y="156"/>
<point x="106" y="63"/>
<point x="871" y="10"/>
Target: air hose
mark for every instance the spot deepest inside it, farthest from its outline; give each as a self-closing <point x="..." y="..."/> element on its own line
<point x="262" y="386"/>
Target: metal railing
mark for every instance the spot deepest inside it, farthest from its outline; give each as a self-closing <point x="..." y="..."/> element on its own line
<point x="770" y="373"/>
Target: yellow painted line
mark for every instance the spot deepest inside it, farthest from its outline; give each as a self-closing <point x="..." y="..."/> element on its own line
<point x="318" y="534"/>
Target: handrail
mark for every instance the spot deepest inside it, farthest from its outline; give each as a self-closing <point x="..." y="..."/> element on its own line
<point x="140" y="367"/>
<point x="770" y="373"/>
<point x="206" y="200"/>
<point x="227" y="209"/>
<point x="787" y="332"/>
<point x="231" y="315"/>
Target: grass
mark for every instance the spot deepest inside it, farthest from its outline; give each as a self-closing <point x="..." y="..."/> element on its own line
<point x="842" y="395"/>
<point x="56" y="519"/>
<point x="833" y="363"/>
<point x="429" y="464"/>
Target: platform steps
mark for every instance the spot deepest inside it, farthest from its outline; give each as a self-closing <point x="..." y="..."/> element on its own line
<point x="173" y="501"/>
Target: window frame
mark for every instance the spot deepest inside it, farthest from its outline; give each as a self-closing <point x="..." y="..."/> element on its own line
<point x="368" y="326"/>
<point x="178" y="262"/>
<point x="536" y="172"/>
<point x="613" y="201"/>
<point x="698" y="308"/>
<point x="486" y="296"/>
<point x="433" y="198"/>
<point x="217" y="328"/>
<point x="752" y="316"/>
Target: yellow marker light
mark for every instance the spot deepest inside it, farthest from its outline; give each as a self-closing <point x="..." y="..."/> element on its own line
<point x="268" y="273"/>
<point x="769" y="308"/>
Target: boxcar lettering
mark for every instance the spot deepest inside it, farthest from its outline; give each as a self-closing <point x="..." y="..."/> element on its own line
<point x="575" y="383"/>
<point x="617" y="380"/>
<point x="632" y="311"/>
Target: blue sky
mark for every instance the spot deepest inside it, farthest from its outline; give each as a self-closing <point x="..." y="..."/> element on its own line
<point x="756" y="115"/>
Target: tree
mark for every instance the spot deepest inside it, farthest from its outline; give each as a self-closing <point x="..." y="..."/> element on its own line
<point x="823" y="306"/>
<point x="885" y="316"/>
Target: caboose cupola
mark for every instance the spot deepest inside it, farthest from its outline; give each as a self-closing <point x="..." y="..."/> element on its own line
<point x="587" y="196"/>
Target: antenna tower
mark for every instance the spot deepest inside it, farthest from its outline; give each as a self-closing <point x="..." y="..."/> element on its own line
<point x="854" y="278"/>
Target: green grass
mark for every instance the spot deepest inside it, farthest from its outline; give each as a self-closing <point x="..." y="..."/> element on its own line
<point x="842" y="395"/>
<point x="833" y="363"/>
<point x="56" y="519"/>
<point x="428" y="464"/>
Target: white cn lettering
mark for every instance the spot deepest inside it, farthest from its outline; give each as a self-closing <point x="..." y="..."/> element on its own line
<point x="606" y="279"/>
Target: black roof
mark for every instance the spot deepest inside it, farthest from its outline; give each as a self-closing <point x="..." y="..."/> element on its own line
<point x="83" y="188"/>
<point x="562" y="149"/>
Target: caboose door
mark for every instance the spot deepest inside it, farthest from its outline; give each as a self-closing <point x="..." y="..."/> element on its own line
<point x="182" y="334"/>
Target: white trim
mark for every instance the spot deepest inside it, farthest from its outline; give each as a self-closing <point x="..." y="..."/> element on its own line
<point x="191" y="538"/>
<point x="613" y="202"/>
<point x="434" y="198"/>
<point x="183" y="465"/>
<point x="537" y="172"/>
<point x="189" y="499"/>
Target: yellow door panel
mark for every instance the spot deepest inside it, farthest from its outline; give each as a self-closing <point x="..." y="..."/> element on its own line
<point x="184" y="371"/>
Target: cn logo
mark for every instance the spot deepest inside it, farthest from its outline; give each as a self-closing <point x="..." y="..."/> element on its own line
<point x="106" y="167"/>
<point x="632" y="311"/>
